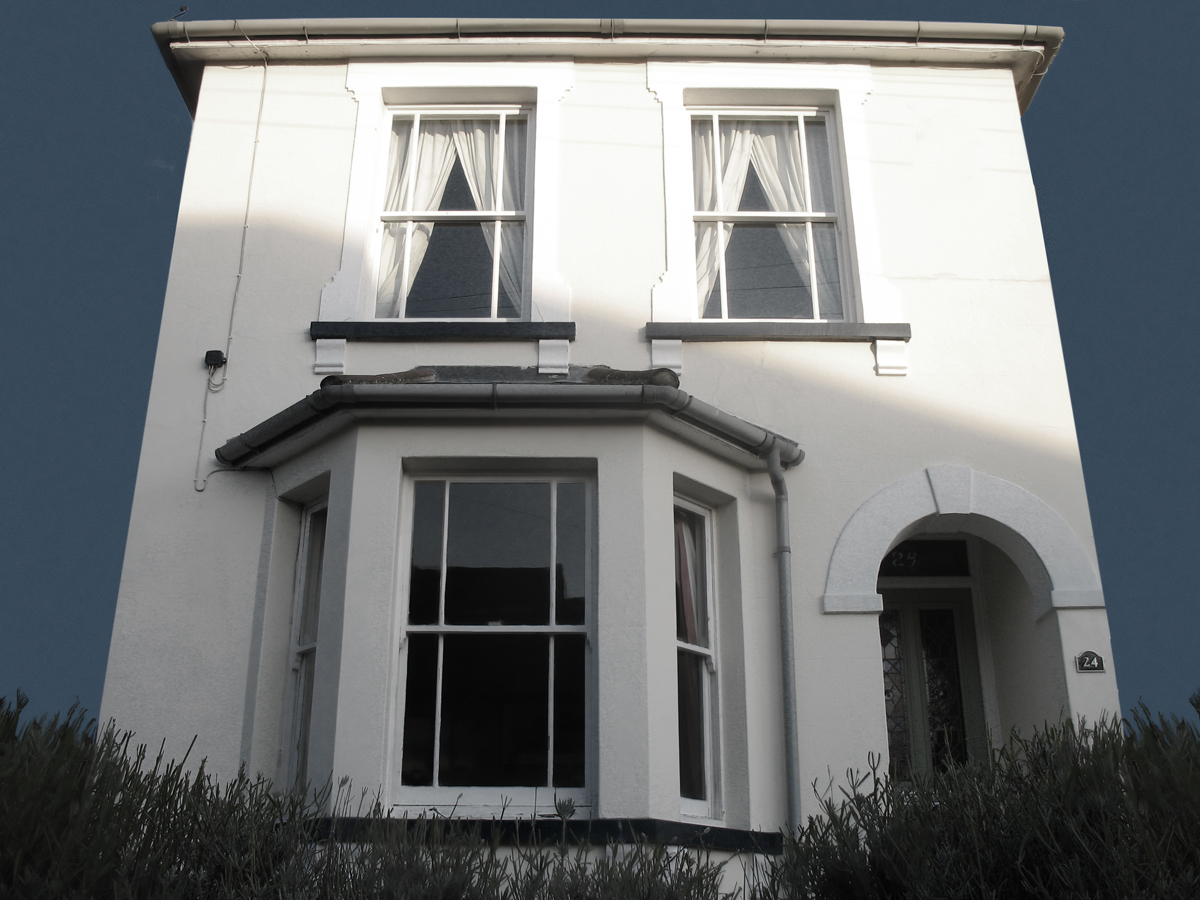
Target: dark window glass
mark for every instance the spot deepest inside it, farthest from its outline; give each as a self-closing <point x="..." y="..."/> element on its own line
<point x="455" y="277"/>
<point x="691" y="588"/>
<point x="766" y="272"/>
<point x="419" y="708"/>
<point x="570" y="575"/>
<point x="498" y="554"/>
<point x="691" y="726"/>
<point x="926" y="558"/>
<point x="569" y="714"/>
<point x="495" y="704"/>
<point x="310" y="615"/>
<point x="426" y="574"/>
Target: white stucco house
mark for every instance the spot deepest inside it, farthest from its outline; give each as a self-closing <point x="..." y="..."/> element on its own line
<point x="656" y="414"/>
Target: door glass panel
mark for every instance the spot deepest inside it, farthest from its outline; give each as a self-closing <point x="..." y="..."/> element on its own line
<point x="894" y="699"/>
<point x="947" y="732"/>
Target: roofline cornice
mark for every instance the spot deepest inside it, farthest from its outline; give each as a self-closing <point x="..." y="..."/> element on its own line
<point x="1025" y="49"/>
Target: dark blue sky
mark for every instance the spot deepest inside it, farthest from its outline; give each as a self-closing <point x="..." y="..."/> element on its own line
<point x="93" y="139"/>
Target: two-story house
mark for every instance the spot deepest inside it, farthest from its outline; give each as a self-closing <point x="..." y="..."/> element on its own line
<point x="656" y="414"/>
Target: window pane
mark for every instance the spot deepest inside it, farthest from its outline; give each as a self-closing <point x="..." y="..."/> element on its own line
<point x="829" y="286"/>
<point x="450" y="267"/>
<point x="498" y="554"/>
<point x="894" y="700"/>
<point x="515" y="136"/>
<point x="391" y="270"/>
<point x="512" y="268"/>
<point x="691" y="726"/>
<point x="495" y="705"/>
<point x="947" y="731"/>
<point x="568" y="710"/>
<point x="703" y="181"/>
<point x="766" y="272"/>
<point x="314" y="557"/>
<point x="419" y="705"/>
<point x="819" y="169"/>
<point x="773" y="146"/>
<point x="304" y="691"/>
<point x="691" y="587"/>
<point x="708" y="281"/>
<point x="455" y="164"/>
<point x="570" y="576"/>
<point x="394" y="198"/>
<point x="425" y="579"/>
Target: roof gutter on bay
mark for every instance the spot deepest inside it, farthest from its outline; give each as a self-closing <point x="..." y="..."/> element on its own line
<point x="488" y="399"/>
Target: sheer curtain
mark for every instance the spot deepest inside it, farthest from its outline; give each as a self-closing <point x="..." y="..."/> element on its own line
<point x="773" y="146"/>
<point x="474" y="143"/>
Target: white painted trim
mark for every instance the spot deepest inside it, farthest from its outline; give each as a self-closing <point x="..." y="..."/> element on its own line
<point x="350" y="295"/>
<point x="891" y="357"/>
<point x="956" y="498"/>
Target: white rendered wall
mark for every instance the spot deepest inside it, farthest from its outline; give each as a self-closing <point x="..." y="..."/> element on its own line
<point x="947" y="238"/>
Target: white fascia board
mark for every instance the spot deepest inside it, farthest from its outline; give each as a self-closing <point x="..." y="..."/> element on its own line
<point x="1026" y="50"/>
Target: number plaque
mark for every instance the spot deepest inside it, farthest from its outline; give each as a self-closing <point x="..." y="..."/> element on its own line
<point x="1089" y="661"/>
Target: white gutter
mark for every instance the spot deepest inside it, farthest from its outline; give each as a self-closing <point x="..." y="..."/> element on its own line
<point x="1025" y="49"/>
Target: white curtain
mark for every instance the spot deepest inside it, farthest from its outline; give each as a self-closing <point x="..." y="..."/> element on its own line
<point x="773" y="147"/>
<point x="474" y="142"/>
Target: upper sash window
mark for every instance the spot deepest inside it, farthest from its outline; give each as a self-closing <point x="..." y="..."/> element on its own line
<point x="454" y="216"/>
<point x="767" y="216"/>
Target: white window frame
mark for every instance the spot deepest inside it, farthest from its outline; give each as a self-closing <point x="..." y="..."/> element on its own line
<point x="513" y="801"/>
<point x="710" y="808"/>
<point x="302" y="655"/>
<point x="836" y="216"/>
<point x="416" y="113"/>
<point x="846" y="88"/>
<point x="376" y="88"/>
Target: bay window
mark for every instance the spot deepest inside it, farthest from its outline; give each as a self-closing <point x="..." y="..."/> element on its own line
<point x="767" y="216"/>
<point x="696" y="663"/>
<point x="453" y="220"/>
<point x="305" y="622"/>
<point x="496" y="636"/>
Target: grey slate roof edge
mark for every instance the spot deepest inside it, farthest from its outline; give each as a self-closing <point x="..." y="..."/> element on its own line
<point x="497" y="396"/>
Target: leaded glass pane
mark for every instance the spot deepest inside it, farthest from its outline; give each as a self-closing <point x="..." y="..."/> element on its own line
<point x="947" y="731"/>
<point x="895" y="701"/>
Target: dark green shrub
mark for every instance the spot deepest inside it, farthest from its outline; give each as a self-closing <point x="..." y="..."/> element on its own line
<point x="82" y="815"/>
<point x="1112" y="810"/>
